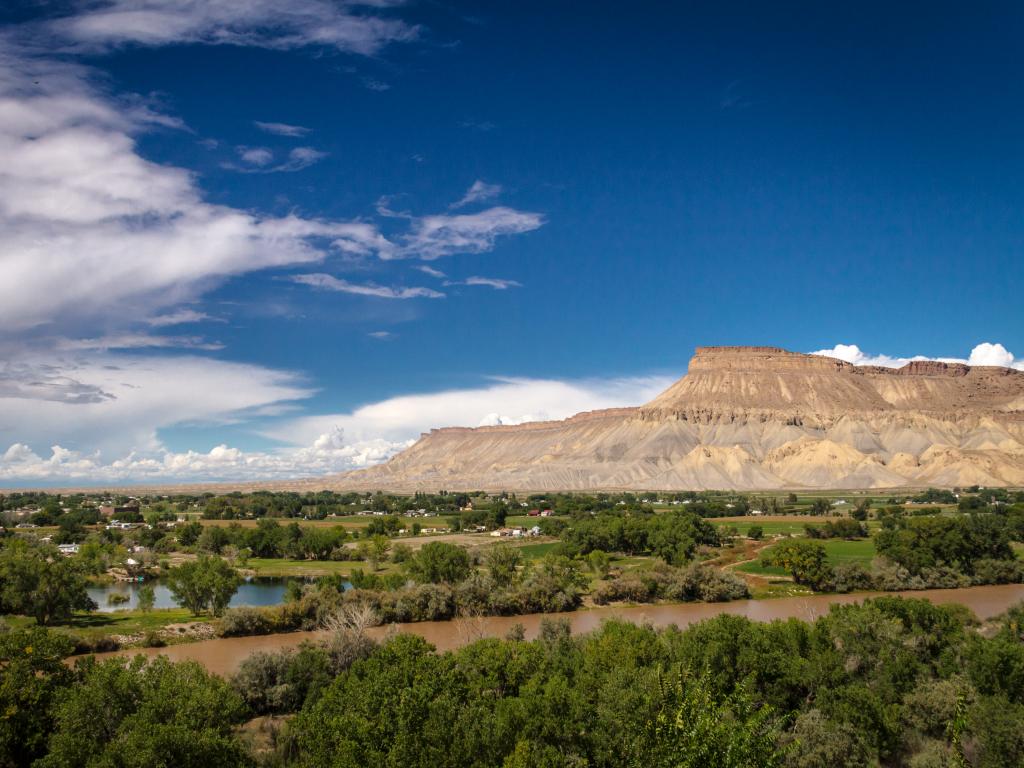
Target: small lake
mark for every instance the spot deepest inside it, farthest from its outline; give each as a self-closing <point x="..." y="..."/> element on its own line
<point x="253" y="592"/>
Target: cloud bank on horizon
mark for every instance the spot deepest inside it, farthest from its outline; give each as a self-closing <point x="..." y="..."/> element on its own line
<point x="131" y="414"/>
<point x="985" y="353"/>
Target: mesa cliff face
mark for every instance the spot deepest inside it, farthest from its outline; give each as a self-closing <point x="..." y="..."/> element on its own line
<point x="748" y="418"/>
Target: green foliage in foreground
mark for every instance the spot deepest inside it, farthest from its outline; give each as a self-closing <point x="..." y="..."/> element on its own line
<point x="893" y="682"/>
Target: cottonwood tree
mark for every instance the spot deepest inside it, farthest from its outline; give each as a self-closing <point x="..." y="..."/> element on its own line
<point x="207" y="583"/>
<point x="38" y="581"/>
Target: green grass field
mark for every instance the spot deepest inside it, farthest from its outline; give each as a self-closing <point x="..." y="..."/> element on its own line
<point x="521" y="521"/>
<point x="769" y="526"/>
<point x="274" y="566"/>
<point x="838" y="551"/>
<point x="536" y="551"/>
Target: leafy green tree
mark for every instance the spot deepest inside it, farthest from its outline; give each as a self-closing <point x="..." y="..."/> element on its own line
<point x="319" y="543"/>
<point x="146" y="598"/>
<point x="599" y="562"/>
<point x="806" y="562"/>
<point x="439" y="562"/>
<point x="821" y="507"/>
<point x="379" y="547"/>
<point x="189" y="533"/>
<point x="33" y="677"/>
<point x="862" y="510"/>
<point x="136" y="713"/>
<point x="400" y="553"/>
<point x="917" y="543"/>
<point x="38" y="581"/>
<point x="213" y="539"/>
<point x="501" y="562"/>
<point x="695" y="728"/>
<point x="755" y="532"/>
<point x="207" y="583"/>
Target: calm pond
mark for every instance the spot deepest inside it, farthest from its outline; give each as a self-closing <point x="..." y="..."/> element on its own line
<point x="223" y="655"/>
<point x="254" y="592"/>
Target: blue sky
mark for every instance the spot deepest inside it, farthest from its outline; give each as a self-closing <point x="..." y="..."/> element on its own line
<point x="239" y="241"/>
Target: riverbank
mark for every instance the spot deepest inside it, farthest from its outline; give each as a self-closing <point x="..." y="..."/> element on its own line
<point x="222" y="656"/>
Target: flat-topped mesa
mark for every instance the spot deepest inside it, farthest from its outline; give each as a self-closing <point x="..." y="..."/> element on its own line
<point x="754" y="382"/>
<point x="763" y="358"/>
<point x="729" y="382"/>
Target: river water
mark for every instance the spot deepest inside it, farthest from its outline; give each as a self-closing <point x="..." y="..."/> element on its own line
<point x="223" y="655"/>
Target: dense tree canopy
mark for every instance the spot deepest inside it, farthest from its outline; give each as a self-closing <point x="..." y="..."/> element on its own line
<point x="439" y="562"/>
<point x="959" y="542"/>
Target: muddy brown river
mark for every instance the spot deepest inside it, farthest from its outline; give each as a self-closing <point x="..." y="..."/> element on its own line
<point x="223" y="655"/>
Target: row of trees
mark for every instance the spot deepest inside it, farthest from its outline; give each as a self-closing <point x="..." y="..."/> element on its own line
<point x="673" y="536"/>
<point x="269" y="538"/>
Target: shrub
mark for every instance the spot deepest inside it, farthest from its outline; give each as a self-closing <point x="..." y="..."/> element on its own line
<point x="892" y="577"/>
<point x="244" y="621"/>
<point x="851" y="577"/>
<point x="153" y="640"/>
<point x="989" y="571"/>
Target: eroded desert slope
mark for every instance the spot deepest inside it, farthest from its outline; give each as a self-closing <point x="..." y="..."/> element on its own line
<point x="748" y="418"/>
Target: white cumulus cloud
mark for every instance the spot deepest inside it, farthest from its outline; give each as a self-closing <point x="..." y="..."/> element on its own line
<point x="985" y="353"/>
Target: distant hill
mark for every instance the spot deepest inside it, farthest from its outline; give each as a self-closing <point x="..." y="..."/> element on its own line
<point x="747" y="418"/>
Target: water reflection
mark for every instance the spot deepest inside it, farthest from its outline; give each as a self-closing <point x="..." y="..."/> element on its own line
<point x="252" y="592"/>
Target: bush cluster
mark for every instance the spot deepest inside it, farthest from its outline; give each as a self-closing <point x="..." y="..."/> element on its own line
<point x="695" y="582"/>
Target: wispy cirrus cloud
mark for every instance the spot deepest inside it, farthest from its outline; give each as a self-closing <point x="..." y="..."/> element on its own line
<point x="436" y="236"/>
<point x="357" y="28"/>
<point x="281" y="129"/>
<point x="260" y="159"/>
<point x="180" y="317"/>
<point x="137" y="341"/>
<point x="427" y="270"/>
<point x="499" y="284"/>
<point x="331" y="283"/>
<point x="373" y="84"/>
<point x="257" y="156"/>
<point x="478" y="192"/>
